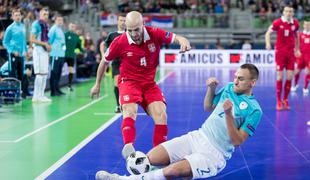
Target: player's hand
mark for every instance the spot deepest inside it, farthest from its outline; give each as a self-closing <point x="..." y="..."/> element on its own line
<point x="48" y="47"/>
<point x="95" y="91"/>
<point x="227" y="106"/>
<point x="268" y="46"/>
<point x="184" y="45"/>
<point x="212" y="82"/>
<point x="297" y="53"/>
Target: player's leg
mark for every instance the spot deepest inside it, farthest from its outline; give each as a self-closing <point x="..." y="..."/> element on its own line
<point x="12" y="65"/>
<point x="288" y="83"/>
<point x="178" y="169"/>
<point x="130" y="94"/>
<point x="116" y="93"/>
<point x="279" y="78"/>
<point x="115" y="73"/>
<point x="58" y="75"/>
<point x="300" y="66"/>
<point x="44" y="64"/>
<point x="154" y="103"/>
<point x="160" y="155"/>
<point x="70" y="63"/>
<point x="53" y="76"/>
<point x="128" y="128"/>
<point x="307" y="78"/>
<point x="157" y="110"/>
<point x="38" y="77"/>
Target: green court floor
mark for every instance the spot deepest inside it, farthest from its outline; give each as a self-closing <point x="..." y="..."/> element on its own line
<point x="33" y="137"/>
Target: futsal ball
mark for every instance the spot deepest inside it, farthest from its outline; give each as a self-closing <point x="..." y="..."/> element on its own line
<point x="138" y="163"/>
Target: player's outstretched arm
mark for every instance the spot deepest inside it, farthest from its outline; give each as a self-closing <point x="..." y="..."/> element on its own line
<point x="95" y="90"/>
<point x="183" y="42"/>
<point x="267" y="38"/>
<point x="212" y="82"/>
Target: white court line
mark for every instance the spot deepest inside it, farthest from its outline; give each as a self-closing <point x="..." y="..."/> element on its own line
<point x="288" y="141"/>
<point x="107" y="114"/>
<point x="246" y="163"/>
<point x="61" y="161"/>
<point x="7" y="141"/>
<point x="56" y="121"/>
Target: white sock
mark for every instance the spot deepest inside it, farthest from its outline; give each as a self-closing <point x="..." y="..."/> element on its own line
<point x="37" y="85"/>
<point x="152" y="175"/>
<point x="44" y="78"/>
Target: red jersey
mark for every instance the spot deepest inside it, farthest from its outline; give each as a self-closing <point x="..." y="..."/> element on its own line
<point x="139" y="62"/>
<point x="286" y="32"/>
<point x="304" y="42"/>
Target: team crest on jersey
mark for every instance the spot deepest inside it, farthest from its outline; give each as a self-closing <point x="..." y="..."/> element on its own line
<point x="293" y="28"/>
<point x="151" y="47"/>
<point x="307" y="40"/>
<point x="126" y="98"/>
<point x="243" y="105"/>
<point x="129" y="54"/>
<point x="281" y="26"/>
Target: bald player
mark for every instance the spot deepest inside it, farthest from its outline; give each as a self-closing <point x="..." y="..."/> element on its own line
<point x="138" y="50"/>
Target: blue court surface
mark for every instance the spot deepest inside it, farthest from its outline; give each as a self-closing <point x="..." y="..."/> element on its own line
<point x="279" y="149"/>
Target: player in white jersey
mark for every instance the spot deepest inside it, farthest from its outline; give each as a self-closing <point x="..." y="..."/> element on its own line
<point x="236" y="114"/>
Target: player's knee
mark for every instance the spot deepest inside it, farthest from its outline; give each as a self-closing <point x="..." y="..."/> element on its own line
<point x="129" y="112"/>
<point x="160" y="116"/>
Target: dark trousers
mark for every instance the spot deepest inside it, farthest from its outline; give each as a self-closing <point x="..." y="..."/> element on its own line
<point x="16" y="70"/>
<point x="16" y="67"/>
<point x="56" y="70"/>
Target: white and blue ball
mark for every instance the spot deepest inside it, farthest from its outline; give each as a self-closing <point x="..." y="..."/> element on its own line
<point x="138" y="163"/>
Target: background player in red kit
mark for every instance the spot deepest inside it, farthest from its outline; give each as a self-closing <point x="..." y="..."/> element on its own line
<point x="286" y="28"/>
<point x="304" y="60"/>
<point x="138" y="50"/>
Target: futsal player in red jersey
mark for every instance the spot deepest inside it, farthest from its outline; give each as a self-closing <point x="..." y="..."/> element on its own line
<point x="138" y="50"/>
<point x="304" y="60"/>
<point x="286" y="48"/>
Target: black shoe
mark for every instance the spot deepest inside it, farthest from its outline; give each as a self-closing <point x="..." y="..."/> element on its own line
<point x="24" y="95"/>
<point x="55" y="94"/>
<point x="60" y="92"/>
<point x="118" y="109"/>
<point x="70" y="88"/>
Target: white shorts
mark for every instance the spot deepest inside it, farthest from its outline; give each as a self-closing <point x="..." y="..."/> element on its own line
<point x="205" y="160"/>
<point x="40" y="60"/>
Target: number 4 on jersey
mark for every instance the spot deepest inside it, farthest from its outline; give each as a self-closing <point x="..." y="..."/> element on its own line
<point x="142" y="62"/>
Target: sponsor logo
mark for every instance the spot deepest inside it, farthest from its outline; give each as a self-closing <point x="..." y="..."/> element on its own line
<point x="235" y="57"/>
<point x="201" y="58"/>
<point x="170" y="57"/>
